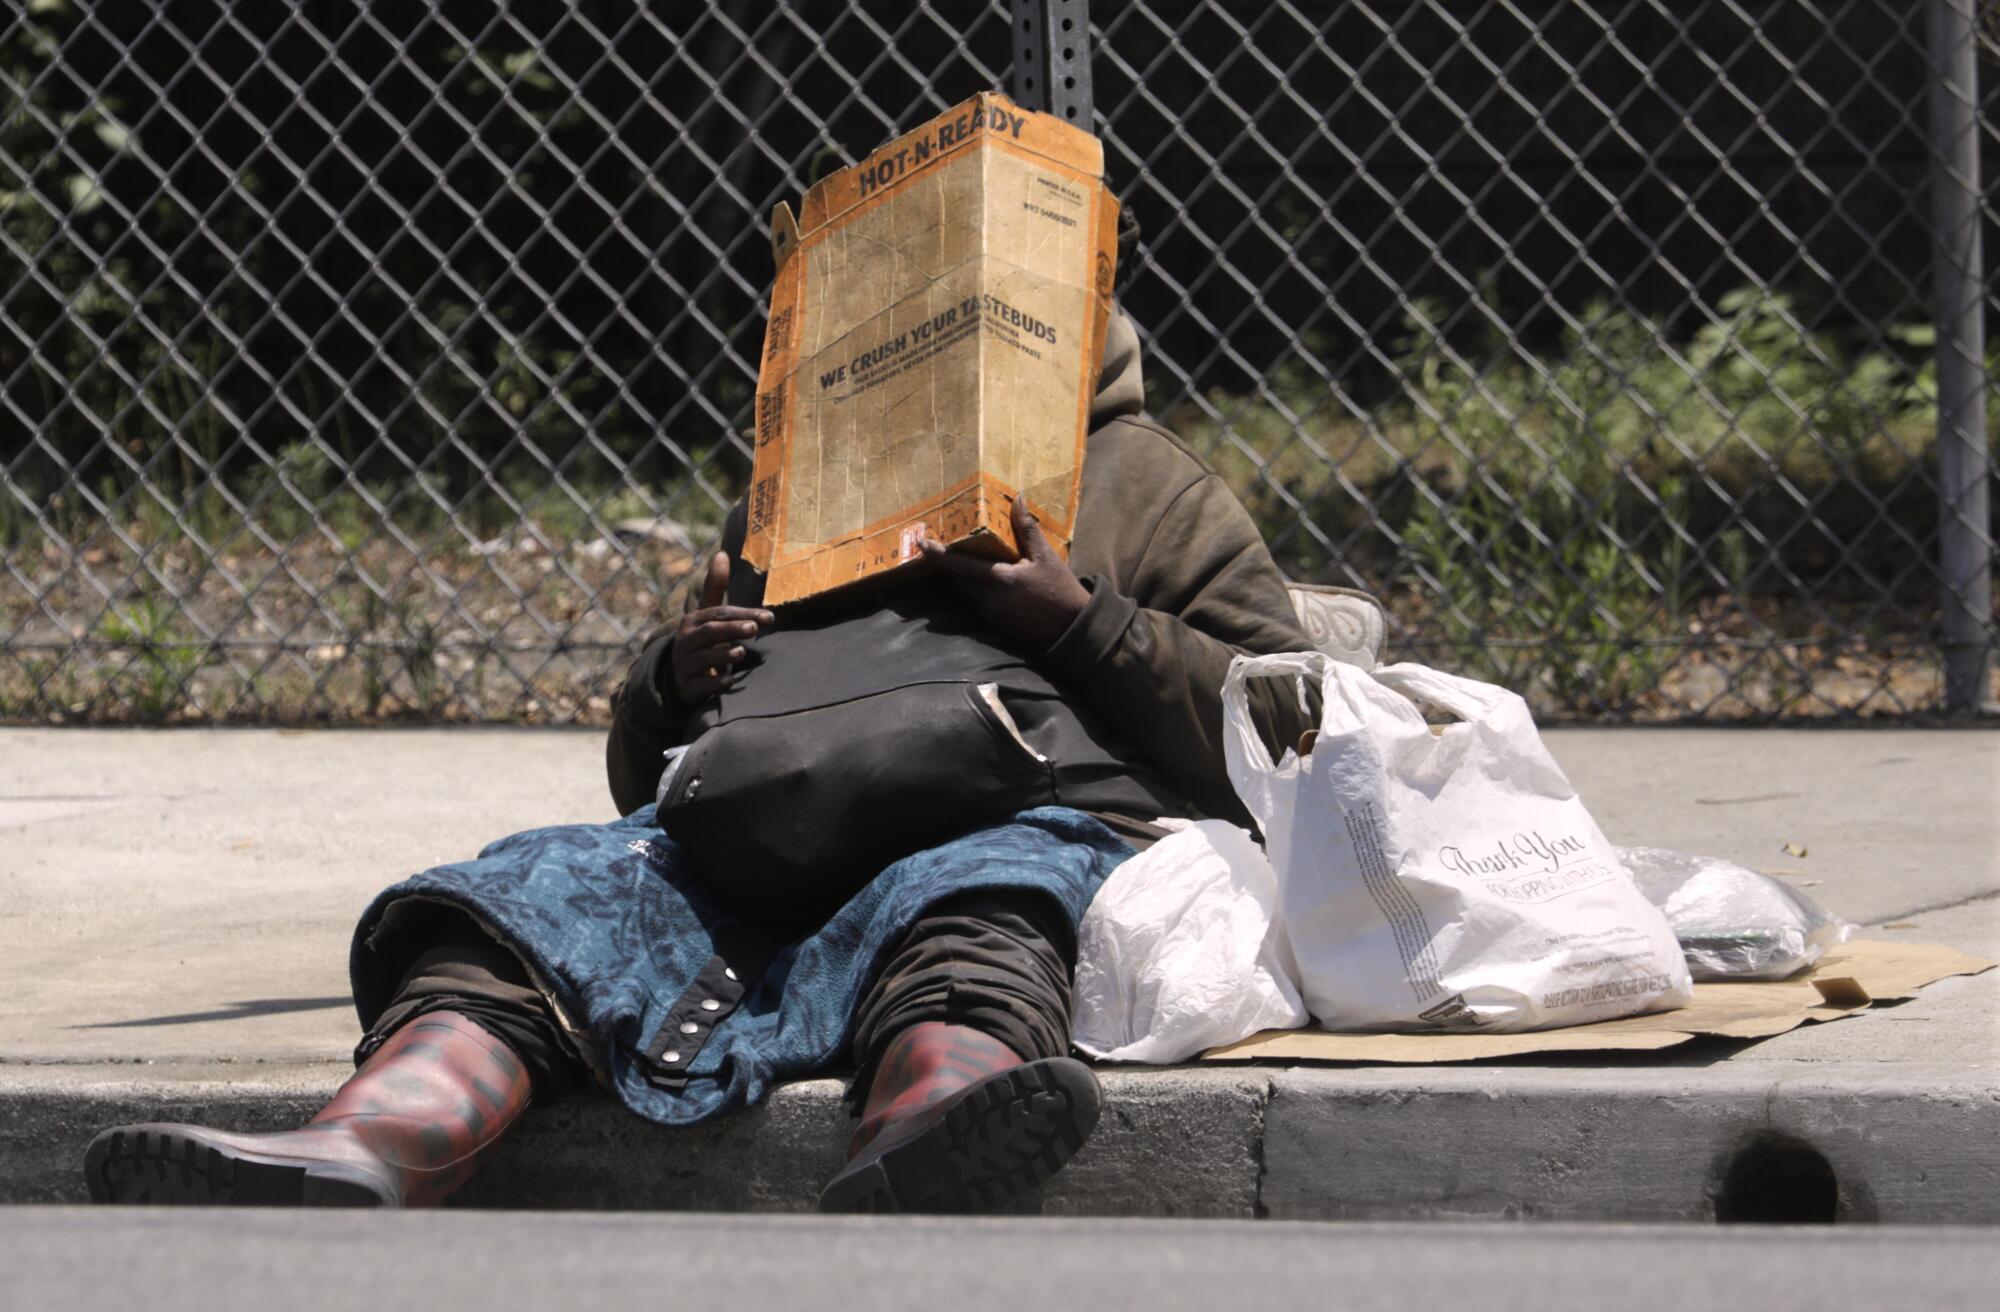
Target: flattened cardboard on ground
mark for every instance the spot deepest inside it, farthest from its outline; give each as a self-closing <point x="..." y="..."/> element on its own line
<point x="1846" y="980"/>
<point x="936" y="321"/>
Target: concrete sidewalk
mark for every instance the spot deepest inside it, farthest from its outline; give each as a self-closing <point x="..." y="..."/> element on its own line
<point x="175" y="906"/>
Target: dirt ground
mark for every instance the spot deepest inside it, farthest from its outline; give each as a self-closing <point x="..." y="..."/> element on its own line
<point x="395" y="629"/>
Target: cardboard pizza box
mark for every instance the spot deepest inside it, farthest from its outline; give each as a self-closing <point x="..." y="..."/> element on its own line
<point x="932" y="347"/>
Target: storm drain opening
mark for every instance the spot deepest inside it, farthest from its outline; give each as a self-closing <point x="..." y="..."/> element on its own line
<point x="1778" y="1181"/>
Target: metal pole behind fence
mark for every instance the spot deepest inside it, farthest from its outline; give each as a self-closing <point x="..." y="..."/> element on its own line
<point x="1965" y="466"/>
<point x="1052" y="58"/>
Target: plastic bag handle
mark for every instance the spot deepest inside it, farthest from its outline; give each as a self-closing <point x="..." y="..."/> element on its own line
<point x="1468" y="699"/>
<point x="1236" y="695"/>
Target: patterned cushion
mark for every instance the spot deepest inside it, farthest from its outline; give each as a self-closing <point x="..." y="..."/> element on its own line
<point x="1347" y="625"/>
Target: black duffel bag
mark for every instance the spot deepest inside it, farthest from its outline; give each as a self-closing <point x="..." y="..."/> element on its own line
<point x="857" y="740"/>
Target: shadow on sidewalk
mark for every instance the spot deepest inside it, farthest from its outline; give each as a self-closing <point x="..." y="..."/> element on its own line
<point x="234" y="1011"/>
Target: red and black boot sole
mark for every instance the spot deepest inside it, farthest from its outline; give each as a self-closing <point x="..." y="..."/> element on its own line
<point x="980" y="1149"/>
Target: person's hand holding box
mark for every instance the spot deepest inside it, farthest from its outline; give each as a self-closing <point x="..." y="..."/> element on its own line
<point x="1034" y="599"/>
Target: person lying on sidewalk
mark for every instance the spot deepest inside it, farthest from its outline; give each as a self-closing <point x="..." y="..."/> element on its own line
<point x="891" y="810"/>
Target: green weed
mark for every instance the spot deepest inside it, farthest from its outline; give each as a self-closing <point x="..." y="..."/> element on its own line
<point x="1565" y="511"/>
<point x="1576" y="615"/>
<point x="165" y="656"/>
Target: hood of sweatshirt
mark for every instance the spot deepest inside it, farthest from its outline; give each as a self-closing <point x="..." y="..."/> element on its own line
<point x="1121" y="389"/>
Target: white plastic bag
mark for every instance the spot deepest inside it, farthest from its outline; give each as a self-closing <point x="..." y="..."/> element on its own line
<point x="1733" y="922"/>
<point x="1442" y="881"/>
<point x="1179" y="952"/>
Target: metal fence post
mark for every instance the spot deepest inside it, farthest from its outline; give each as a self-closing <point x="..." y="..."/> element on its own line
<point x="1964" y="462"/>
<point x="1052" y="58"/>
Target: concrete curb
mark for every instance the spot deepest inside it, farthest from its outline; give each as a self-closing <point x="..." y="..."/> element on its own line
<point x="1632" y="1144"/>
<point x="1555" y="1143"/>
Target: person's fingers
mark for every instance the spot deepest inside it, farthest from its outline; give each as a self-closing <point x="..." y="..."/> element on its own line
<point x="710" y="663"/>
<point x="762" y="619"/>
<point x="700" y="637"/>
<point x="958" y="563"/>
<point x="708" y="660"/>
<point x="707" y="685"/>
<point x="1027" y="533"/>
<point x="708" y="643"/>
<point x="701" y="660"/>
<point x="715" y="621"/>
<point x="716" y="586"/>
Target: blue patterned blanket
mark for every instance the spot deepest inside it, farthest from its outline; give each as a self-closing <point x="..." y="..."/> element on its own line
<point x="690" y="1009"/>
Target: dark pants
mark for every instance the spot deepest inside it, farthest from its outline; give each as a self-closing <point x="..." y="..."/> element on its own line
<point x="997" y="960"/>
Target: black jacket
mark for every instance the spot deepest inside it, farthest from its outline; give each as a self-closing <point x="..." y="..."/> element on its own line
<point x="1126" y="706"/>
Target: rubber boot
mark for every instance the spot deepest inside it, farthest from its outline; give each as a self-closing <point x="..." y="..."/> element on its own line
<point x="956" y="1121"/>
<point x="405" y="1131"/>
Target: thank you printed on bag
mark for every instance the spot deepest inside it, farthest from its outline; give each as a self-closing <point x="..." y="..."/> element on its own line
<point x="1530" y="867"/>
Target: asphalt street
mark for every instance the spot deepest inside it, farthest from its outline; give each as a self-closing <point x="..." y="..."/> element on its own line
<point x="78" y="1259"/>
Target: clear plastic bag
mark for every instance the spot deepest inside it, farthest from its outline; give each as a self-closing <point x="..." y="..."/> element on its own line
<point x="1733" y="922"/>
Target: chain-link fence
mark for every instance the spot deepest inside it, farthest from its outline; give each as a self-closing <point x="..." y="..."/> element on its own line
<point x="361" y="361"/>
